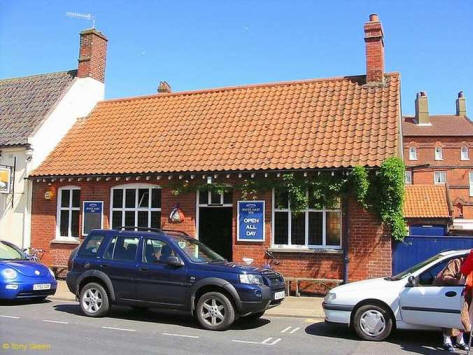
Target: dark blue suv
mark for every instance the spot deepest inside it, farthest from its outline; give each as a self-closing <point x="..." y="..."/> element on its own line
<point x="168" y="269"/>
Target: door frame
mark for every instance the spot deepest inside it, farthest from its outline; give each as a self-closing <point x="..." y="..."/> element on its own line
<point x="198" y="205"/>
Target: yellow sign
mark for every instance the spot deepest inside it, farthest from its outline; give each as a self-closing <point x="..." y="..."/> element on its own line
<point x="5" y="177"/>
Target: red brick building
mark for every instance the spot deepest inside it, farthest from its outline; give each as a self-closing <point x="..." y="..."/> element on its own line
<point x="438" y="150"/>
<point x="127" y="155"/>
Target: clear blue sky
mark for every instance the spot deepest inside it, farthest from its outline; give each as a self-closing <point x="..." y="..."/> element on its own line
<point x="199" y="44"/>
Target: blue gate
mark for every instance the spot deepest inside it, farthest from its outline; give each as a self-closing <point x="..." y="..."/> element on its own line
<point x="414" y="249"/>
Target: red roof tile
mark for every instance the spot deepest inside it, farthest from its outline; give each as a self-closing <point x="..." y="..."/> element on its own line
<point x="426" y="201"/>
<point x="323" y="123"/>
<point x="441" y="125"/>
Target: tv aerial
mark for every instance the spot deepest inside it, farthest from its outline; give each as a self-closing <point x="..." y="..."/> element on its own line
<point x="88" y="17"/>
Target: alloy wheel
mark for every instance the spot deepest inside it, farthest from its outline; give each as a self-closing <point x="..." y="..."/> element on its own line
<point x="213" y="311"/>
<point x="92" y="300"/>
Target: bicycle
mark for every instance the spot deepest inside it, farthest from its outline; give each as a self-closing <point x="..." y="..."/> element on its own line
<point x="34" y="254"/>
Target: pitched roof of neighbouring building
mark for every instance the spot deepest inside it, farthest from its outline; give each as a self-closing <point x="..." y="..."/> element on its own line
<point x="325" y="123"/>
<point x="426" y="201"/>
<point x="25" y="101"/>
<point x="441" y="125"/>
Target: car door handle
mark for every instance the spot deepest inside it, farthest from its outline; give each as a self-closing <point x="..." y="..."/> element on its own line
<point x="450" y="294"/>
<point x="103" y="265"/>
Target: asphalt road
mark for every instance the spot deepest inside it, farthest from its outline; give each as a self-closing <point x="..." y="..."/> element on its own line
<point x="58" y="327"/>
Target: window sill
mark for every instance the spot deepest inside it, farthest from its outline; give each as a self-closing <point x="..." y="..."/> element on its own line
<point x="65" y="241"/>
<point x="306" y="251"/>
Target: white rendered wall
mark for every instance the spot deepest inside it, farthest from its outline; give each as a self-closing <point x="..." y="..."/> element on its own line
<point x="77" y="102"/>
<point x="12" y="218"/>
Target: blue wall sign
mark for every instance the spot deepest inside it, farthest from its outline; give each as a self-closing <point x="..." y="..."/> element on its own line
<point x="250" y="225"/>
<point x="92" y="216"/>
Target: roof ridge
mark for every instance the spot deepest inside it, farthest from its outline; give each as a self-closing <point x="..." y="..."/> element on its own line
<point x="239" y="87"/>
<point x="37" y="75"/>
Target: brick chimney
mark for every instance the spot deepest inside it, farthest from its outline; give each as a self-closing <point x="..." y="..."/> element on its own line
<point x="422" y="109"/>
<point x="164" y="87"/>
<point x="461" y="104"/>
<point x="374" y="40"/>
<point x="92" y="55"/>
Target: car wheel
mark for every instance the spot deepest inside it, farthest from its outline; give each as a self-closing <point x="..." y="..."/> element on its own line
<point x="215" y="311"/>
<point x="254" y="316"/>
<point x="372" y="322"/>
<point x="94" y="300"/>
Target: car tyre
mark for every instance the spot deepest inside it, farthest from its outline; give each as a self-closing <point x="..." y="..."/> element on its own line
<point x="373" y="322"/>
<point x="215" y="311"/>
<point x="94" y="300"/>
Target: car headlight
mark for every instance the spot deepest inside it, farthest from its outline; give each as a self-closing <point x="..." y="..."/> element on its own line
<point x="9" y="273"/>
<point x="251" y="279"/>
<point x="52" y="273"/>
<point x="330" y="297"/>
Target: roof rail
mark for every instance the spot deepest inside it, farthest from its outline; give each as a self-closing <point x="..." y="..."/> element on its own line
<point x="157" y="230"/>
<point x="175" y="231"/>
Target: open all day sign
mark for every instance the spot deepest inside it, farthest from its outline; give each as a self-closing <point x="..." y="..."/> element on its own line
<point x="250" y="226"/>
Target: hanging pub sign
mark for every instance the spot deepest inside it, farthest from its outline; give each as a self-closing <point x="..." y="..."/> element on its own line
<point x="92" y="216"/>
<point x="250" y="226"/>
<point x="5" y="180"/>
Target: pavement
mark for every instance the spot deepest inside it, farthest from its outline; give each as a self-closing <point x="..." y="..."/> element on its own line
<point x="59" y="327"/>
<point x="300" y="307"/>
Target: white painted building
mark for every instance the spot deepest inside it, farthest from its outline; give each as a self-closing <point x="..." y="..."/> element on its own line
<point x="35" y="114"/>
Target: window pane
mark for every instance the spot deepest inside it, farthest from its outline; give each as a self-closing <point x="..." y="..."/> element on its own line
<point x="156" y="219"/>
<point x="281" y="199"/>
<point x="116" y="219"/>
<point x="75" y="198"/>
<point x="126" y="248"/>
<point x="117" y="198"/>
<point x="281" y="228"/>
<point x="215" y="198"/>
<point x="334" y="225"/>
<point x="156" y="198"/>
<point x="228" y="197"/>
<point x="298" y="229"/>
<point x="65" y="196"/>
<point x="130" y="218"/>
<point x="142" y="218"/>
<point x="156" y="251"/>
<point x="203" y="197"/>
<point x="75" y="224"/>
<point x="130" y="198"/>
<point x="92" y="246"/>
<point x="143" y="198"/>
<point x="109" y="252"/>
<point x="64" y="223"/>
<point x="315" y="228"/>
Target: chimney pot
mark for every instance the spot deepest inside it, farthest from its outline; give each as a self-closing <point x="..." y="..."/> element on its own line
<point x="461" y="104"/>
<point x="374" y="18"/>
<point x="422" y="109"/>
<point x="92" y="55"/>
<point x="164" y="87"/>
<point x="374" y="41"/>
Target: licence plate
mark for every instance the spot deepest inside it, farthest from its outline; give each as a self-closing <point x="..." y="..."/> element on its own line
<point x="37" y="287"/>
<point x="279" y="295"/>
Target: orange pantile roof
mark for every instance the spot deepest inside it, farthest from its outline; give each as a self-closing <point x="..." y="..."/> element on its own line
<point x="426" y="201"/>
<point x="325" y="123"/>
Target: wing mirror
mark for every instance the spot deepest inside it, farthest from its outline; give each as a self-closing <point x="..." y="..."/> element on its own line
<point x="412" y="281"/>
<point x="174" y="261"/>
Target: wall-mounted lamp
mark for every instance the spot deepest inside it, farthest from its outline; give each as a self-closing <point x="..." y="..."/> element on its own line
<point x="209" y="180"/>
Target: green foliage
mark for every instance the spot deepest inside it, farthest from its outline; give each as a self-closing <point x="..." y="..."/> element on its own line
<point x="381" y="191"/>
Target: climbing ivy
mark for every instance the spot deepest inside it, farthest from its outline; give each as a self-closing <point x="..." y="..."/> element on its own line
<point x="381" y="191"/>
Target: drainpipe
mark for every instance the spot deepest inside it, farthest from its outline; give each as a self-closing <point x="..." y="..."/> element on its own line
<point x="345" y="238"/>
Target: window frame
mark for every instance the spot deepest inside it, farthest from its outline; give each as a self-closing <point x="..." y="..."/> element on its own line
<point x="306" y="245"/>
<point x="408" y="177"/>
<point x="470" y="181"/>
<point x="69" y="208"/>
<point x="444" y="173"/>
<point x="135" y="209"/>
<point x="438" y="153"/>
<point x="464" y="149"/>
<point x="412" y="153"/>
